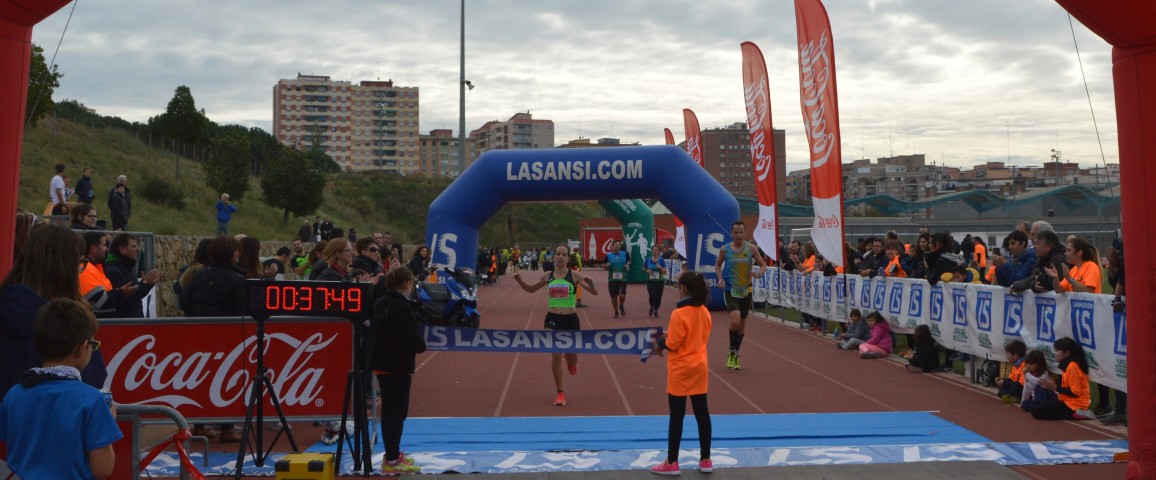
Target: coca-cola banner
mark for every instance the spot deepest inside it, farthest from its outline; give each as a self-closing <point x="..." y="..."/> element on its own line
<point x="693" y="147"/>
<point x="820" y="102"/>
<point x="757" y="93"/>
<point x="596" y="243"/>
<point x="203" y="368"/>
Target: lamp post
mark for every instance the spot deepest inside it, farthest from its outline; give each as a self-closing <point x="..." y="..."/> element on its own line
<point x="462" y="92"/>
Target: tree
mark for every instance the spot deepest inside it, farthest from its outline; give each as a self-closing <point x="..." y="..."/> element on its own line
<point x="42" y="81"/>
<point x="227" y="168"/>
<point x="291" y="184"/>
<point x="182" y="121"/>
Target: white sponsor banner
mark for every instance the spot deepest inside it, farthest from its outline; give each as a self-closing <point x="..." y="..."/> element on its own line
<point x="971" y="318"/>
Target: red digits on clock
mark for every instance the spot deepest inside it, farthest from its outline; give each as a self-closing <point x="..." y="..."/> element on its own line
<point x="306" y="299"/>
<point x="289" y="299"/>
<point x="338" y="296"/>
<point x="272" y="298"/>
<point x="354" y="301"/>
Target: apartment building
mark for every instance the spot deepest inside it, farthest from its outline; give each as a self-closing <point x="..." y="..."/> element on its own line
<point x="726" y="156"/>
<point x="372" y="125"/>
<point x="440" y="155"/>
<point x="521" y="131"/>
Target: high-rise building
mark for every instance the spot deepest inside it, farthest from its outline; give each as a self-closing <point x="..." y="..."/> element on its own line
<point x="440" y="155"/>
<point x="520" y="131"/>
<point x="726" y="155"/>
<point x="369" y="126"/>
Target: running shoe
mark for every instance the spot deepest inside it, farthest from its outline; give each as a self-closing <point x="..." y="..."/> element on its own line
<point x="560" y="400"/>
<point x="1083" y="414"/>
<point x="403" y="464"/>
<point x="666" y="469"/>
<point x="706" y="466"/>
<point x="573" y="369"/>
<point x="738" y="366"/>
<point x="622" y="308"/>
<point x="616" y="314"/>
<point x="867" y="355"/>
<point x="731" y="360"/>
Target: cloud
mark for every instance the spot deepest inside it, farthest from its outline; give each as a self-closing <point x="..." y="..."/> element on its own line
<point x="963" y="82"/>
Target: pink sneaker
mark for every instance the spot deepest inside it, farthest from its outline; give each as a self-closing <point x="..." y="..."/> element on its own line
<point x="666" y="469"/>
<point x="706" y="466"/>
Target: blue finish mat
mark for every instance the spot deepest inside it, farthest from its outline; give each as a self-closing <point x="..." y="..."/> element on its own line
<point x="546" y="444"/>
<point x="554" y="434"/>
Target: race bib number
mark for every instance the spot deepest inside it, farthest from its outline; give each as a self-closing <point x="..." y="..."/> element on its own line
<point x="739" y="292"/>
<point x="655" y="275"/>
<point x="616" y="275"/>
<point x="559" y="291"/>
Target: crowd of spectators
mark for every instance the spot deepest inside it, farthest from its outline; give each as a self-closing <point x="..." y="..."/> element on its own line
<point x="1031" y="257"/>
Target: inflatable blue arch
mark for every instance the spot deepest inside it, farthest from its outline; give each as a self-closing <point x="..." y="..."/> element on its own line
<point x="503" y="176"/>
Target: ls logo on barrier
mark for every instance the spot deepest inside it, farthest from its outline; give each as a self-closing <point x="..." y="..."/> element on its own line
<point x="983" y="303"/>
<point x="915" y="303"/>
<point x="827" y="289"/>
<point x="880" y="292"/>
<point x="937" y="303"/>
<point x="1046" y="319"/>
<point x="1082" y="326"/>
<point x="896" y="304"/>
<point x="865" y="295"/>
<point x="1013" y="312"/>
<point x="840" y="285"/>
<point x="1121" y="337"/>
<point x="959" y="301"/>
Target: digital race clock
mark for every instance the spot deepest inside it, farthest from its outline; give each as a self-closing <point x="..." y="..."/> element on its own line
<point x="350" y="300"/>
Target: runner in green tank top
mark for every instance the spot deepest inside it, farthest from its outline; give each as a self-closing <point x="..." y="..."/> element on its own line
<point x="561" y="312"/>
<point x="739" y="258"/>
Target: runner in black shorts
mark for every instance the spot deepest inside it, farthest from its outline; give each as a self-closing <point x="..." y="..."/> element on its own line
<point x="735" y="269"/>
<point x="561" y="312"/>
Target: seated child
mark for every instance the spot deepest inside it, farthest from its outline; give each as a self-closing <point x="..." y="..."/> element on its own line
<point x="55" y="425"/>
<point x="879" y="345"/>
<point x="857" y="332"/>
<point x="926" y="357"/>
<point x="1012" y="387"/>
<point x="965" y="274"/>
<point x="1073" y="392"/>
<point x="1035" y="366"/>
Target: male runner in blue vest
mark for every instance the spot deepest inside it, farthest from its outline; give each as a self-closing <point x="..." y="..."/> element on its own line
<point x="734" y="271"/>
<point x="617" y="265"/>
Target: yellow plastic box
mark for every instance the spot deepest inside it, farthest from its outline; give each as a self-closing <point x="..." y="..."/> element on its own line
<point x="305" y="466"/>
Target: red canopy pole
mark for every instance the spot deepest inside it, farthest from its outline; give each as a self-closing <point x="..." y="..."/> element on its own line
<point x="16" y="20"/>
<point x="1129" y="28"/>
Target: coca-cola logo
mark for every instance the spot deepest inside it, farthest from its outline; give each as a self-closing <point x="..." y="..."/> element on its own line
<point x="831" y="221"/>
<point x="820" y="118"/>
<point x="759" y="123"/>
<point x="694" y="149"/>
<point x="144" y="367"/>
<point x="766" y="224"/>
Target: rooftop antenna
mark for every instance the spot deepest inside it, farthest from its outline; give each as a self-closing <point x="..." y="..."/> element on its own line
<point x="379" y="71"/>
<point x="890" y="142"/>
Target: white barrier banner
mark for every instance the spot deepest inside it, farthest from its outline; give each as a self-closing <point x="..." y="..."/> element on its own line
<point x="971" y="318"/>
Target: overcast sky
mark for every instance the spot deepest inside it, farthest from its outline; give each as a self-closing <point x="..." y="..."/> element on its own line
<point x="962" y="82"/>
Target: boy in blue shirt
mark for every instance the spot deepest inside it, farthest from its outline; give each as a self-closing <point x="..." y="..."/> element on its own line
<point x="56" y="426"/>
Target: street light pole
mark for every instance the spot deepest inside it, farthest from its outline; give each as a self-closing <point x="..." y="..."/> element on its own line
<point x="462" y="94"/>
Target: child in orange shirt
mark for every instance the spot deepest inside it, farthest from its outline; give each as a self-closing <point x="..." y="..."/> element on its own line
<point x="687" y="371"/>
<point x="1074" y="392"/>
<point x="1012" y="387"/>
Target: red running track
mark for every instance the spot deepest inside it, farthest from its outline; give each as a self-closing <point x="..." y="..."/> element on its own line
<point x="785" y="370"/>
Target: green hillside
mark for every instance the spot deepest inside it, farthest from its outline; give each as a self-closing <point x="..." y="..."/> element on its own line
<point x="367" y="202"/>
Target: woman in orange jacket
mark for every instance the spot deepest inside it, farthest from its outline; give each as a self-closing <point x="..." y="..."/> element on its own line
<point x="687" y="371"/>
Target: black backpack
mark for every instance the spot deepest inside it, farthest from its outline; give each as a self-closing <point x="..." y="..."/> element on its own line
<point x="988" y="372"/>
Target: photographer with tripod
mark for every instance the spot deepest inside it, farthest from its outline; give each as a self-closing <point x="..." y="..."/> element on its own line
<point x="394" y="340"/>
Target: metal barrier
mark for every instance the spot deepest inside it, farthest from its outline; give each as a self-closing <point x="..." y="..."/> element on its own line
<point x="133" y="413"/>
